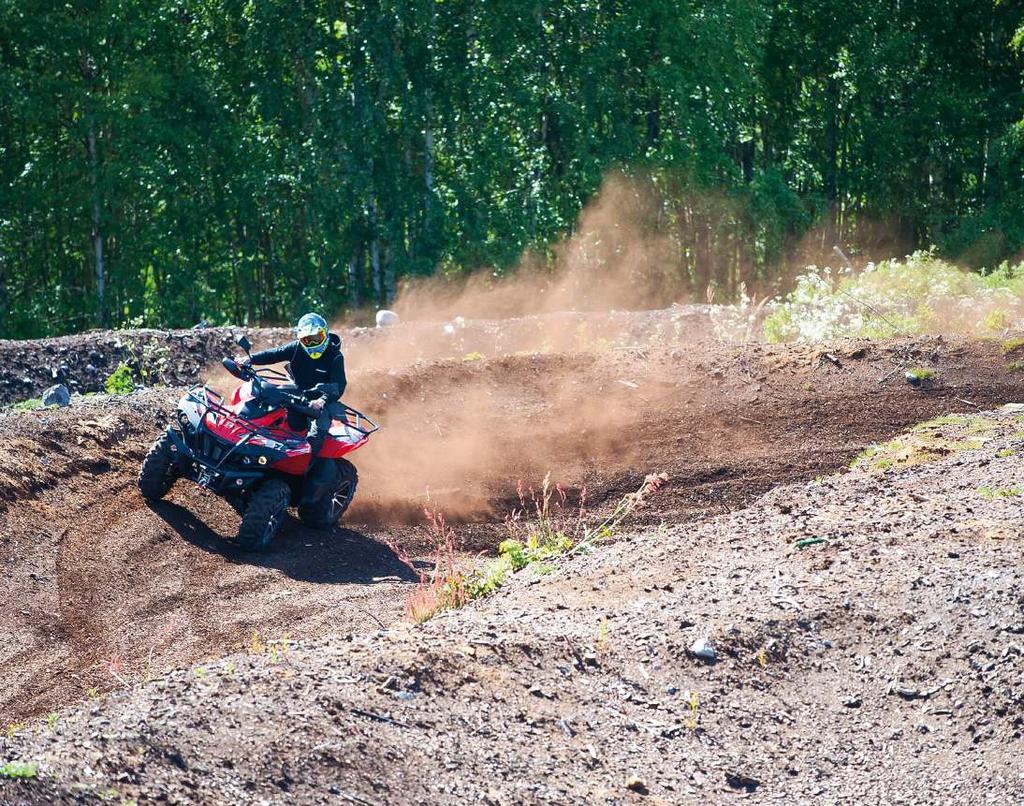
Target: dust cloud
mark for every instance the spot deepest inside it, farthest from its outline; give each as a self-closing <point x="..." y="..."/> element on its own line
<point x="490" y="381"/>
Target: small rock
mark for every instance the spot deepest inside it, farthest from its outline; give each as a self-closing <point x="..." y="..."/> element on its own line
<point x="852" y="702"/>
<point x="57" y="395"/>
<point x="635" y="784"/>
<point x="702" y="648"/>
<point x="739" y="780"/>
<point x="386" y="318"/>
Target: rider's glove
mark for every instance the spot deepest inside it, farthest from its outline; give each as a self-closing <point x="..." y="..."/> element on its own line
<point x="317" y="405"/>
<point x="245" y="363"/>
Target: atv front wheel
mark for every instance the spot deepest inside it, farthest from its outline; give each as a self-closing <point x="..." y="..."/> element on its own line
<point x="326" y="512"/>
<point x="158" y="472"/>
<point x="264" y="515"/>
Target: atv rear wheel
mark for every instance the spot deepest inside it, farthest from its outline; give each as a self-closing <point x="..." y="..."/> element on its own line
<point x="264" y="515"/>
<point x="326" y="512"/>
<point x="158" y="472"/>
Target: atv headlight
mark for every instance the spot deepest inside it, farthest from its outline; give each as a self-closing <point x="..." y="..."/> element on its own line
<point x="263" y="460"/>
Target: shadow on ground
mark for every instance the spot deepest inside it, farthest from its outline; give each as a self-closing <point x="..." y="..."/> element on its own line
<point x="338" y="556"/>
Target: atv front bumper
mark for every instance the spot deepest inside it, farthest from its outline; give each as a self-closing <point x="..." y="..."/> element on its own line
<point x="218" y="478"/>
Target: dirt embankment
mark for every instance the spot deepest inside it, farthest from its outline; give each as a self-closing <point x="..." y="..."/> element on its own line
<point x="866" y="630"/>
<point x="182" y="357"/>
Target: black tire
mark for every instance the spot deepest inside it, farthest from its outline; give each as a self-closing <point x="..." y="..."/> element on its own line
<point x="326" y="512"/>
<point x="264" y="515"/>
<point x="158" y="472"/>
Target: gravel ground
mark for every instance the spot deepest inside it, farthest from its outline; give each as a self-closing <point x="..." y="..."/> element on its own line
<point x="867" y="630"/>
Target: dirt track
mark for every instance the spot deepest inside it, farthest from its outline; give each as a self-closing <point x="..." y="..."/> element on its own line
<point x="879" y="665"/>
<point x="103" y="589"/>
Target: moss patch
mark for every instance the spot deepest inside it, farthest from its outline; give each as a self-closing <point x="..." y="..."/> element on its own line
<point x="927" y="442"/>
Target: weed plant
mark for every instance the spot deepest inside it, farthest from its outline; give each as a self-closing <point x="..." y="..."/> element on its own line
<point x="543" y="528"/>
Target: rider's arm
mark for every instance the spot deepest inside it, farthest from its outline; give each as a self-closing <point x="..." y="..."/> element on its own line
<point x="275" y="355"/>
<point x="335" y="385"/>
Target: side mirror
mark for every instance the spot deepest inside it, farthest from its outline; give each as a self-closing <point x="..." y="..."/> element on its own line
<point x="243" y="342"/>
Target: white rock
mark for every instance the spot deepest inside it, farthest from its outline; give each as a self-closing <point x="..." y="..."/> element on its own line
<point x="702" y="648"/>
<point x="386" y="318"/>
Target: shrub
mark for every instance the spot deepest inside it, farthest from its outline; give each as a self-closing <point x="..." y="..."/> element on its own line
<point x="919" y="294"/>
<point x="120" y="381"/>
<point x="554" y="529"/>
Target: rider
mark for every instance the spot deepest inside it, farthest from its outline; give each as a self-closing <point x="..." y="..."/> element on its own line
<point x="316" y="363"/>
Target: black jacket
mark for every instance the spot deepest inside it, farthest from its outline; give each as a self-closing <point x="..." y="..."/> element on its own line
<point x="328" y="369"/>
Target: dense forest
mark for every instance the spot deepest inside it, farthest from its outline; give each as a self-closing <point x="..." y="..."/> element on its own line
<point x="166" y="161"/>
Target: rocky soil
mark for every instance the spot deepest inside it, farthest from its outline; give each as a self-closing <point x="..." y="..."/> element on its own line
<point x="867" y="630"/>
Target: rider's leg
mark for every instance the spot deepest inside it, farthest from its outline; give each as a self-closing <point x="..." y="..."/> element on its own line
<point x="317" y="435"/>
<point x="297" y="422"/>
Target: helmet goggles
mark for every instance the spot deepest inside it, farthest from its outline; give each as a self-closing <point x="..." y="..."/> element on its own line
<point x="312" y="334"/>
<point x="313" y="339"/>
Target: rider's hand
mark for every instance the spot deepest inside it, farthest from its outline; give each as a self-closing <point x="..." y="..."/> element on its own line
<point x="245" y="363"/>
<point x="317" y="405"/>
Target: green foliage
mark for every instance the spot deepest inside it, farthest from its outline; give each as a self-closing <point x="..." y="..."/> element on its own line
<point x="921" y="373"/>
<point x="162" y="164"/>
<point x="31" y="404"/>
<point x="120" y="381"/>
<point x="1012" y="345"/>
<point x="920" y="294"/>
<point x="18" y="769"/>
<point x="992" y="493"/>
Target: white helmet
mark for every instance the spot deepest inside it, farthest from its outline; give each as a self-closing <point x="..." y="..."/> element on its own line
<point x="312" y="334"/>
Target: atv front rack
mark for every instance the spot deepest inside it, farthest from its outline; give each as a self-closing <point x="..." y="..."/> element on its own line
<point x="214" y="404"/>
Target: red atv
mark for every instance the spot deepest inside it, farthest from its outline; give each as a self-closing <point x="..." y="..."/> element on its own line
<point x="245" y="451"/>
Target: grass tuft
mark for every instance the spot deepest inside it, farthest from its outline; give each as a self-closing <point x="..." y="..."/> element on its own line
<point x="992" y="493"/>
<point x="927" y="442"/>
<point x="19" y="770"/>
<point x="31" y="404"/>
<point x="1012" y="345"/>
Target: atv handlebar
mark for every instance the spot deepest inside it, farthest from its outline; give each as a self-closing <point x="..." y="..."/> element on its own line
<point x="297" y="401"/>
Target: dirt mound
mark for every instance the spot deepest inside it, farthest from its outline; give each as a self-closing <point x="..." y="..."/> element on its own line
<point x="866" y="634"/>
<point x="182" y="357"/>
